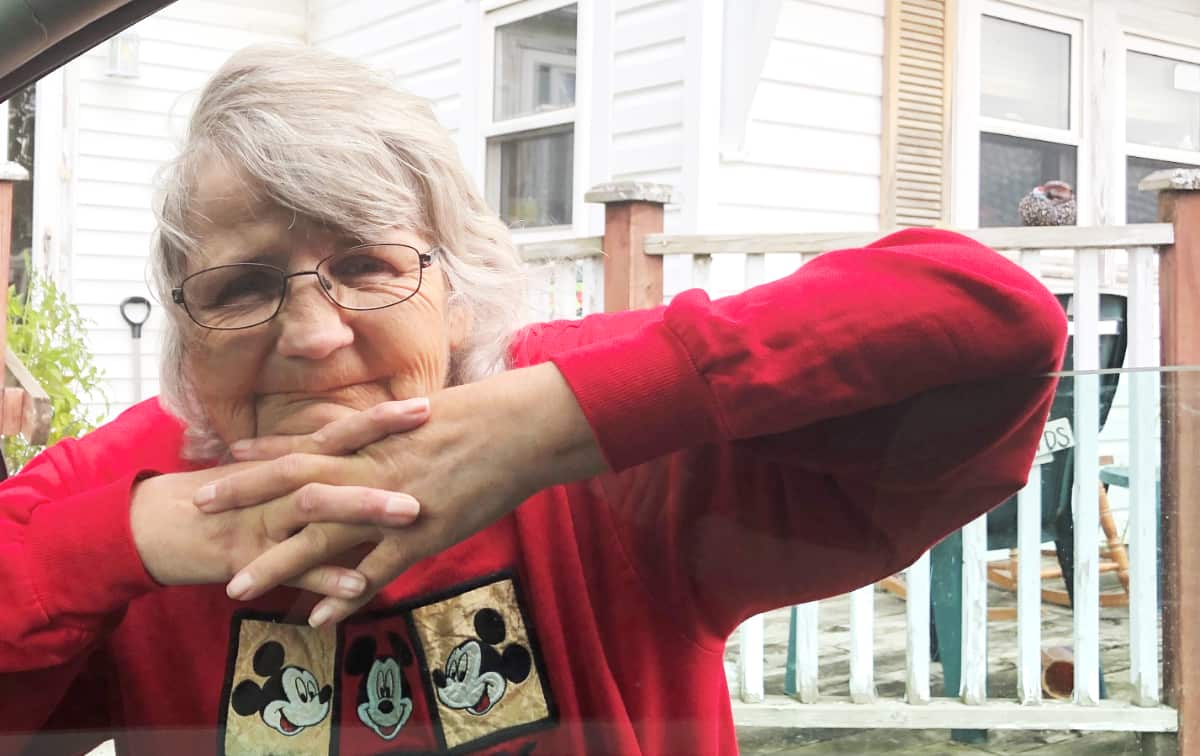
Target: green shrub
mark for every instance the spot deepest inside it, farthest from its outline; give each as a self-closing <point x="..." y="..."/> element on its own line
<point x="47" y="333"/>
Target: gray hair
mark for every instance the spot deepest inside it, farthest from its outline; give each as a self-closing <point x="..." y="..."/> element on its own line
<point x="335" y="142"/>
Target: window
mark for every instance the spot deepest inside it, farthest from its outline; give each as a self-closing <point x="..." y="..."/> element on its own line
<point x="1029" y="122"/>
<point x="17" y="145"/>
<point x="1162" y="120"/>
<point x="531" y="124"/>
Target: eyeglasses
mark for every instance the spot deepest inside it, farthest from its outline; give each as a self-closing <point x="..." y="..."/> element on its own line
<point x="244" y="295"/>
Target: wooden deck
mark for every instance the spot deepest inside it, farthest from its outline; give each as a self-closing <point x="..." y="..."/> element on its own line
<point x="890" y="681"/>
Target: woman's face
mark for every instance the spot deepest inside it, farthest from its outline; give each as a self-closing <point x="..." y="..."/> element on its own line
<point x="314" y="362"/>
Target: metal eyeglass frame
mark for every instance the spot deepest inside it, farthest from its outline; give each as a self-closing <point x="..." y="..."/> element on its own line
<point x="426" y="259"/>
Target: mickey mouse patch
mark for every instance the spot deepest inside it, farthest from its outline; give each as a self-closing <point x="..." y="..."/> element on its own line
<point x="282" y="691"/>
<point x="480" y="654"/>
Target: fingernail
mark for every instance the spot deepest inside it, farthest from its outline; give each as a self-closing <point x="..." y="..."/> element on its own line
<point x="240" y="447"/>
<point x="320" y="615"/>
<point x="206" y="495"/>
<point x="401" y="506"/>
<point x="352" y="584"/>
<point x="417" y="406"/>
<point x="239" y="586"/>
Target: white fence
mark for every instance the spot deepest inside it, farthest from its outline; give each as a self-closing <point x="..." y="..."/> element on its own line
<point x="567" y="282"/>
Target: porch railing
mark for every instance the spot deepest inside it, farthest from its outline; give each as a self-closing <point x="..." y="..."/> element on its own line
<point x="623" y="269"/>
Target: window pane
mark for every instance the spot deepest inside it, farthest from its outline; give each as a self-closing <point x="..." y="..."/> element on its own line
<point x="1142" y="207"/>
<point x="20" y="150"/>
<point x="535" y="64"/>
<point x="535" y="180"/>
<point x="1163" y="102"/>
<point x="1026" y="74"/>
<point x="1010" y="167"/>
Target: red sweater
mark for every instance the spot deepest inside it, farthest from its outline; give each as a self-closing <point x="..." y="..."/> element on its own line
<point x="796" y="441"/>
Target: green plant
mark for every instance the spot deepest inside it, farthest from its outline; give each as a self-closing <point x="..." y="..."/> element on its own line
<point x="47" y="333"/>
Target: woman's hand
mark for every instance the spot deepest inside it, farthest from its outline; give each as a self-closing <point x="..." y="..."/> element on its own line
<point x="488" y="447"/>
<point x="181" y="545"/>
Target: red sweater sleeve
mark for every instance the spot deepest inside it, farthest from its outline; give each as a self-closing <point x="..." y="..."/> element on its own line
<point x="69" y="565"/>
<point x="828" y="426"/>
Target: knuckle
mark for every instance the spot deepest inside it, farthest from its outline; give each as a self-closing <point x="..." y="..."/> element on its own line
<point x="308" y="497"/>
<point x="290" y="465"/>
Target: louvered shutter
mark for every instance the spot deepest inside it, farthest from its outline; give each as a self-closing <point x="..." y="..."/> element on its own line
<point x="916" y="113"/>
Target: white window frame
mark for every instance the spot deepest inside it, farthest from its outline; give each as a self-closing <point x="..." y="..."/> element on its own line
<point x="1139" y="44"/>
<point x="1071" y="136"/>
<point x="968" y="121"/>
<point x="497" y="13"/>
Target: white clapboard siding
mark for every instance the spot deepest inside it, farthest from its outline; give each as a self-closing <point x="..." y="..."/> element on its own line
<point x="421" y="44"/>
<point x="649" y="68"/>
<point x="121" y="131"/>
<point x="810" y="153"/>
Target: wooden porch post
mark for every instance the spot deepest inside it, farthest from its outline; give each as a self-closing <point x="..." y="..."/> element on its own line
<point x="632" y="279"/>
<point x="1179" y="302"/>
<point x="10" y="173"/>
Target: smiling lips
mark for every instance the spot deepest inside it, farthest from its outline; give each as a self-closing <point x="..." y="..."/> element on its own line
<point x="287" y="726"/>
<point x="484" y="703"/>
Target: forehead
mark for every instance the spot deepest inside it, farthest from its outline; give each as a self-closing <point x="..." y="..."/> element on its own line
<point x="231" y="215"/>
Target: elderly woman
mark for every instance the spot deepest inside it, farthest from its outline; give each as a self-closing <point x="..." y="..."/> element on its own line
<point x="371" y="514"/>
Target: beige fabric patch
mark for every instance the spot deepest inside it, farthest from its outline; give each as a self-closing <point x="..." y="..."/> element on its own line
<point x="484" y="682"/>
<point x="277" y="708"/>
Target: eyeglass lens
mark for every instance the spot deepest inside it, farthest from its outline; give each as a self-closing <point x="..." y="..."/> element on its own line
<point x="246" y="294"/>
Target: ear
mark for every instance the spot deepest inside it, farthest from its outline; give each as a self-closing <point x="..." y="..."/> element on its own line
<point x="489" y="625"/>
<point x="517" y="662"/>
<point x="246" y="697"/>
<point x="268" y="659"/>
<point x="360" y="655"/>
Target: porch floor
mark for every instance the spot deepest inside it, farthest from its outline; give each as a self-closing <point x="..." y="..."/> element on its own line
<point x="889" y="678"/>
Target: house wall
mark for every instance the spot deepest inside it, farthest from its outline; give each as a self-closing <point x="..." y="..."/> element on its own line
<point x="422" y="44"/>
<point x="122" y="130"/>
<point x="650" y="68"/>
<point x="809" y="154"/>
<point x="810" y="159"/>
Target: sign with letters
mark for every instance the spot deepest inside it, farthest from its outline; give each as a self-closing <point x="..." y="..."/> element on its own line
<point x="1056" y="436"/>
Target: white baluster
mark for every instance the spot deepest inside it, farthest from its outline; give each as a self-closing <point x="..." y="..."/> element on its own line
<point x="862" y="644"/>
<point x="1029" y="589"/>
<point x="974" y="611"/>
<point x="1143" y="494"/>
<point x="1087" y="477"/>
<point x="566" y="291"/>
<point x="806" y="643"/>
<point x="701" y="270"/>
<point x="1029" y="564"/>
<point x="916" y="581"/>
<point x="593" y="285"/>
<point x="750" y="660"/>
<point x="756" y="269"/>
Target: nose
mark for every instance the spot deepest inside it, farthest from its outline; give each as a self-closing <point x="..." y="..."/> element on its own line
<point x="386" y="707"/>
<point x="311" y="326"/>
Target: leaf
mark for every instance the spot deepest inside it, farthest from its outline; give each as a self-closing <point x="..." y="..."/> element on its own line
<point x="48" y="333"/>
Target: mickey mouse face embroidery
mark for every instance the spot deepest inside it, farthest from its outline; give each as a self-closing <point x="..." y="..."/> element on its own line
<point x="476" y="675"/>
<point x="384" y="701"/>
<point x="289" y="701"/>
